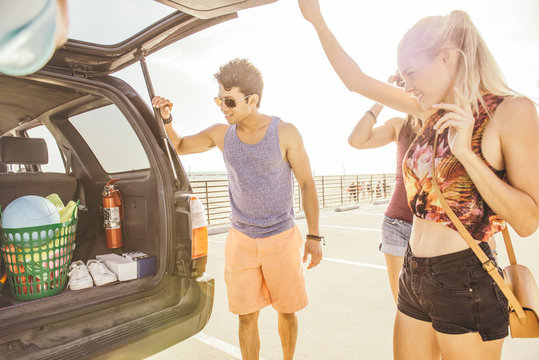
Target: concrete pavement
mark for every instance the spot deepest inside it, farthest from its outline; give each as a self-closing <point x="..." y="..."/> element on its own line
<point x="351" y="311"/>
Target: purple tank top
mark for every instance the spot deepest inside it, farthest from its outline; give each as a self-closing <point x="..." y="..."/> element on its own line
<point x="260" y="184"/>
<point x="398" y="206"/>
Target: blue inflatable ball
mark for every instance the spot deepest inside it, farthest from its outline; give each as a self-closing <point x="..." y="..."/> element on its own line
<point x="29" y="211"/>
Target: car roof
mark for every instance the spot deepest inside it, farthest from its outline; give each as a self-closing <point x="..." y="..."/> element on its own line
<point x="207" y="9"/>
<point x="25" y="100"/>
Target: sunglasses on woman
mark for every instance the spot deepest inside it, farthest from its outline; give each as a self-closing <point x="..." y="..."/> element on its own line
<point x="229" y="103"/>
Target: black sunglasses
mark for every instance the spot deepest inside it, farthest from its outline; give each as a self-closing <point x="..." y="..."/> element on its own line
<point x="229" y="103"/>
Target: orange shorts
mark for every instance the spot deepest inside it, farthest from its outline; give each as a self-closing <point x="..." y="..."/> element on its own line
<point x="264" y="271"/>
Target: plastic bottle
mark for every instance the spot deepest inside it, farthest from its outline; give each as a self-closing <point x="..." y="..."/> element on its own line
<point x="199" y="224"/>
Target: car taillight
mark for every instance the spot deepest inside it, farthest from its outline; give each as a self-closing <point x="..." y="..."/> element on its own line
<point x="199" y="242"/>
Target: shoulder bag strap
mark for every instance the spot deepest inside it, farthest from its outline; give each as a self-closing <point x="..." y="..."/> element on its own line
<point x="509" y="246"/>
<point x="488" y="264"/>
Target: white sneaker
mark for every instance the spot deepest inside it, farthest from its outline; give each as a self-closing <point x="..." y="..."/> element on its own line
<point x="100" y="272"/>
<point x="79" y="278"/>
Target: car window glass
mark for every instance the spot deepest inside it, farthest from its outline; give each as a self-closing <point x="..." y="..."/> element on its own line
<point x="107" y="28"/>
<point x="56" y="163"/>
<point x="112" y="139"/>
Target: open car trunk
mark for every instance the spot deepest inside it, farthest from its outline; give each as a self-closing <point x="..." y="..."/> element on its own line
<point x="156" y="222"/>
<point x="96" y="127"/>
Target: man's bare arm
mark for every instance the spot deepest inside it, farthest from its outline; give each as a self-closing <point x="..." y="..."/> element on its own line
<point x="299" y="161"/>
<point x="203" y="141"/>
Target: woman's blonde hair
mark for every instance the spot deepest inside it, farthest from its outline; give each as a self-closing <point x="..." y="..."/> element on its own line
<point x="477" y="71"/>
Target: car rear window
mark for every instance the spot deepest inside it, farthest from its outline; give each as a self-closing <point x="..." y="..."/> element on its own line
<point x="97" y="21"/>
<point x="112" y="139"/>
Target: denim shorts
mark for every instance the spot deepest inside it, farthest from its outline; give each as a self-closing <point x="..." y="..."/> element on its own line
<point x="395" y="236"/>
<point x="455" y="293"/>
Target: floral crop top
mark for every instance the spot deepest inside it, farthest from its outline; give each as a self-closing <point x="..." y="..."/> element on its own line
<point x="452" y="179"/>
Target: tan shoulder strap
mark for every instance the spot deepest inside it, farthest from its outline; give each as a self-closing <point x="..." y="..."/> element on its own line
<point x="488" y="264"/>
<point x="509" y="246"/>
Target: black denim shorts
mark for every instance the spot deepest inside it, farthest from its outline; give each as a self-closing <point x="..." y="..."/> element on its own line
<point x="455" y="293"/>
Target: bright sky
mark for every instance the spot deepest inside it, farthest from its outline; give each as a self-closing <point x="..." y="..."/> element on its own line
<point x="300" y="85"/>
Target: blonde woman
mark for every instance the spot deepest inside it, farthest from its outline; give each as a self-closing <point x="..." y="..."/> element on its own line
<point x="487" y="162"/>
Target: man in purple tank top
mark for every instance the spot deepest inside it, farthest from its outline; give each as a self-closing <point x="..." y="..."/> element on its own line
<point x="263" y="260"/>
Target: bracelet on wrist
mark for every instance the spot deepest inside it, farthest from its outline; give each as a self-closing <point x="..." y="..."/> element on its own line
<point x="371" y="114"/>
<point x="316" y="237"/>
<point x="168" y="121"/>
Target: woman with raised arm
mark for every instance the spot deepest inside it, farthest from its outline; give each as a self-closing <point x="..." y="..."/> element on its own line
<point x="487" y="163"/>
<point x="397" y="224"/>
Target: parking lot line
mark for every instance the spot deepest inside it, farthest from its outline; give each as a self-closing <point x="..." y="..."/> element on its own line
<point x="350" y="228"/>
<point x="369" y="214"/>
<point x="321" y="225"/>
<point x="219" y="345"/>
<point x="355" y="263"/>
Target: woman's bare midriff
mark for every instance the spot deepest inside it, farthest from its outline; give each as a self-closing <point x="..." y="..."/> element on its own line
<point x="429" y="239"/>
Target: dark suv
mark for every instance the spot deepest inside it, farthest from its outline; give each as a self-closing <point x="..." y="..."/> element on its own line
<point x="96" y="127"/>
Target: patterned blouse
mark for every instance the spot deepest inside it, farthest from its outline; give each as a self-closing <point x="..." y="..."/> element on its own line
<point x="452" y="179"/>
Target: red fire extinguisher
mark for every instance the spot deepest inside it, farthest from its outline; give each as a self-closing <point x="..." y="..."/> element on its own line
<point x="113" y="214"/>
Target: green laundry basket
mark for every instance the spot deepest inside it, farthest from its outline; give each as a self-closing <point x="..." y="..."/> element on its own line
<point x="37" y="258"/>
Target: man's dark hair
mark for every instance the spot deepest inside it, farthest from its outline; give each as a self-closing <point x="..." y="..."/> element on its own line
<point x="242" y="74"/>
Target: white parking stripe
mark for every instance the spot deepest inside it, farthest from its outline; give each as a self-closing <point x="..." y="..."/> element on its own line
<point x="348" y="262"/>
<point x="219" y="345"/>
<point x="321" y="225"/>
<point x="354" y="263"/>
<point x="350" y="228"/>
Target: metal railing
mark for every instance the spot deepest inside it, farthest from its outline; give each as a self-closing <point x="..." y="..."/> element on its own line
<point x="333" y="190"/>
